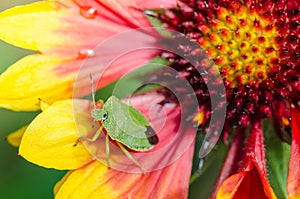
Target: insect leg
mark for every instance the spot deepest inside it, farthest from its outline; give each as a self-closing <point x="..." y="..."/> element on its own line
<point x="130" y="156"/>
<point x="93" y="90"/>
<point x="107" y="149"/>
<point x="97" y="134"/>
<point x="93" y="139"/>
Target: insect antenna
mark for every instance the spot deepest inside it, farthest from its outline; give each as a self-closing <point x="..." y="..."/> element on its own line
<point x="93" y="90"/>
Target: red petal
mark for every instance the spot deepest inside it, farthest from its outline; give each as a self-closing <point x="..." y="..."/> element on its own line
<point x="251" y="182"/>
<point x="234" y="156"/>
<point x="293" y="181"/>
<point x="255" y="147"/>
<point x="150" y="4"/>
<point x="248" y="184"/>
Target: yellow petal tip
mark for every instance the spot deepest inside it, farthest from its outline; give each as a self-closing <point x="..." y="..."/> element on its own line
<point x="15" y="138"/>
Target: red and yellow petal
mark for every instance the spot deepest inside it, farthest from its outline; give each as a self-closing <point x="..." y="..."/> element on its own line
<point x="65" y="36"/>
<point x="248" y="184"/>
<point x="34" y="26"/>
<point x="50" y="139"/>
<point x="51" y="78"/>
<point x="66" y="26"/>
<point x="293" y="181"/>
<point x="34" y="77"/>
<point x="97" y="181"/>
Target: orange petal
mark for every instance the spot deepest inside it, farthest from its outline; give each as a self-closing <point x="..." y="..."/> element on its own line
<point x="97" y="181"/>
<point x="247" y="184"/>
<point x="293" y="181"/>
<point x="49" y="140"/>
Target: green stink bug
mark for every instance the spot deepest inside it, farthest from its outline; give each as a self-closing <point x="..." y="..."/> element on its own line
<point x="123" y="124"/>
<point x="126" y="125"/>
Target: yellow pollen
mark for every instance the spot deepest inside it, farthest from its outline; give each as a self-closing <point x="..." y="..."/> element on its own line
<point x="242" y="44"/>
<point x="285" y="121"/>
<point x="199" y="118"/>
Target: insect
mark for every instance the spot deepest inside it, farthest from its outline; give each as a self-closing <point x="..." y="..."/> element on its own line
<point x="124" y="124"/>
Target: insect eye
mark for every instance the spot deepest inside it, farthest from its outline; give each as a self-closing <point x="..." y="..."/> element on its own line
<point x="105" y="116"/>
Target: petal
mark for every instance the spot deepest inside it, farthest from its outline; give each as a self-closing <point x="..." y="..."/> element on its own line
<point x="251" y="181"/>
<point x="65" y="26"/>
<point x="255" y="147"/>
<point x="97" y="181"/>
<point x="32" y="26"/>
<point x="234" y="156"/>
<point x="15" y="138"/>
<point x="49" y="140"/>
<point x="33" y="78"/>
<point x="51" y="75"/>
<point x="247" y="184"/>
<point x="163" y="4"/>
<point x="293" y="181"/>
<point x="51" y="78"/>
<point x="61" y="182"/>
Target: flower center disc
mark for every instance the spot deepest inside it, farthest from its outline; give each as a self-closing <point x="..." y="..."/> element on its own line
<point x="242" y="44"/>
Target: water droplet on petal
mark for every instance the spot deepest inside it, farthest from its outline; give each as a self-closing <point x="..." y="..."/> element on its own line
<point x="88" y="12"/>
<point x="86" y="53"/>
<point x="150" y="13"/>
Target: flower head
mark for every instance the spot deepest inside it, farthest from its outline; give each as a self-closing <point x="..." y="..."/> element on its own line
<point x="255" y="47"/>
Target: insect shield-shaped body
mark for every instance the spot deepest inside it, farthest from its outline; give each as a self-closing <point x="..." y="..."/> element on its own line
<point x="126" y="125"/>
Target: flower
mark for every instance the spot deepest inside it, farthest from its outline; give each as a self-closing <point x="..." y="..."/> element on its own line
<point x="49" y="141"/>
<point x="255" y="46"/>
<point x="255" y="49"/>
<point x="65" y="33"/>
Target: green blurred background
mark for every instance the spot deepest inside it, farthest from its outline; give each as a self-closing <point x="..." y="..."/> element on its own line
<point x="21" y="179"/>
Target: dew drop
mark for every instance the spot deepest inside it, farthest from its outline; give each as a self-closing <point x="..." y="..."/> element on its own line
<point x="150" y="13"/>
<point x="86" y="53"/>
<point x="88" y="12"/>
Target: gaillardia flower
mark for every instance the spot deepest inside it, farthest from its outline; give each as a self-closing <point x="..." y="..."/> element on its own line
<point x="254" y="46"/>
